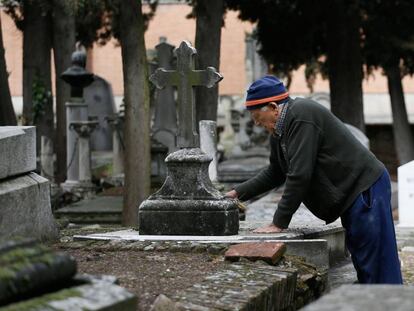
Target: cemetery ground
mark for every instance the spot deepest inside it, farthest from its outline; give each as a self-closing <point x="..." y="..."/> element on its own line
<point x="149" y="269"/>
<point x="141" y="269"/>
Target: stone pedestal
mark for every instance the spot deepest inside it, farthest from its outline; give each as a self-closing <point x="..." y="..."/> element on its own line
<point x="76" y="110"/>
<point x="187" y="203"/>
<point x="116" y="124"/>
<point x="84" y="129"/>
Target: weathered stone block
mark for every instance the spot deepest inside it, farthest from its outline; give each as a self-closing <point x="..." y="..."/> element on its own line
<point x="247" y="286"/>
<point x="25" y="209"/>
<point x="97" y="296"/>
<point x="366" y="297"/>
<point x="188" y="203"/>
<point x="188" y="217"/>
<point x="17" y="150"/>
<point x="267" y="251"/>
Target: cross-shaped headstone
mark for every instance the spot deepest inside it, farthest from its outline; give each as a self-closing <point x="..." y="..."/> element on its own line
<point x="185" y="78"/>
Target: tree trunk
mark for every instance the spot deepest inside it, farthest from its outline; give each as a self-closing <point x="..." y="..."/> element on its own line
<point x="63" y="46"/>
<point x="345" y="62"/>
<point x="37" y="98"/>
<point x="136" y="95"/>
<point x="209" y="19"/>
<point x="7" y="115"/>
<point x="403" y="137"/>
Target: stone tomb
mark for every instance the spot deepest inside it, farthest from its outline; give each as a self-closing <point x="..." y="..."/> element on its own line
<point x="187" y="203"/>
<point x="25" y="208"/>
<point x="17" y="150"/>
<point x="35" y="278"/>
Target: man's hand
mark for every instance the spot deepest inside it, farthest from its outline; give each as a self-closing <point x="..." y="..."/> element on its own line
<point x="268" y="229"/>
<point x="231" y="194"/>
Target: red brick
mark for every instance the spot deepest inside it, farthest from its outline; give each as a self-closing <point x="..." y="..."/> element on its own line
<point x="270" y="252"/>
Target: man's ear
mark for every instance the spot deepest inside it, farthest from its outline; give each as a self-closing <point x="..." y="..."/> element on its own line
<point x="273" y="106"/>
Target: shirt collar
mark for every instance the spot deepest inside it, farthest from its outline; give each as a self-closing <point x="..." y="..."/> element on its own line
<point x="279" y="125"/>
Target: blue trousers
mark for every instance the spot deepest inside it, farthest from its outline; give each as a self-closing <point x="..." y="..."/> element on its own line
<point x="370" y="235"/>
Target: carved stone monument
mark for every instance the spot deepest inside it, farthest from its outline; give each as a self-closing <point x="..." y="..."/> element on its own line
<point x="84" y="129"/>
<point x="187" y="203"/>
<point x="250" y="153"/>
<point x="76" y="110"/>
<point x="100" y="99"/>
<point x="165" y="116"/>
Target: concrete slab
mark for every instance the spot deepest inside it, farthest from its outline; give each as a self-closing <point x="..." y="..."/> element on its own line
<point x="101" y="209"/>
<point x="342" y="273"/>
<point x="17" y="150"/>
<point x="366" y="297"/>
<point x="25" y="209"/>
<point x="303" y="221"/>
<point x="304" y="226"/>
<point x="316" y="251"/>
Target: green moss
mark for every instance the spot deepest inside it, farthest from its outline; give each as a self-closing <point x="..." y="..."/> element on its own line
<point x="22" y="254"/>
<point x="40" y="303"/>
<point x="8" y="272"/>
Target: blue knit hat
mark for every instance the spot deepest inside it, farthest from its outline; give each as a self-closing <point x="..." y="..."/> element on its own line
<point x="265" y="90"/>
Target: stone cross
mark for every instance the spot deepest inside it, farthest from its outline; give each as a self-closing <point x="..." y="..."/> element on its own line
<point x="185" y="78"/>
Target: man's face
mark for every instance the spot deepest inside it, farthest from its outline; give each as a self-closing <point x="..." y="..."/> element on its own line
<point x="266" y="117"/>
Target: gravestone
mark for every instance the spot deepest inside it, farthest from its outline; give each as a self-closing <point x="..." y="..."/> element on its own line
<point x="187" y="203"/>
<point x="116" y="123"/>
<point x="46" y="158"/>
<point x="406" y="195"/>
<point x="250" y="152"/>
<point x="256" y="66"/>
<point x="208" y="144"/>
<point x="165" y="113"/>
<point x="100" y="100"/>
<point x="25" y="208"/>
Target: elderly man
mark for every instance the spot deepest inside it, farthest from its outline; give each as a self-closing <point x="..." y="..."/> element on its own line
<point x="332" y="173"/>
